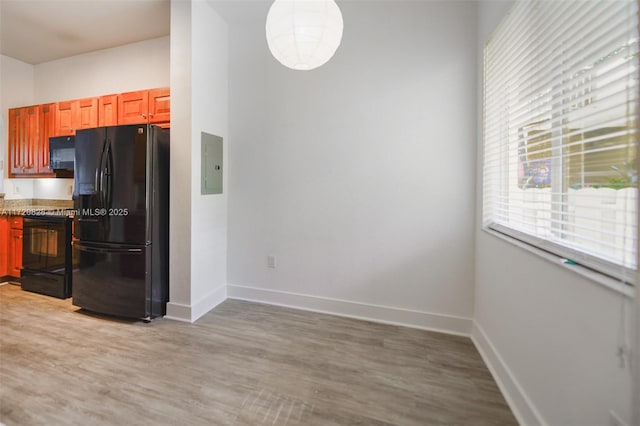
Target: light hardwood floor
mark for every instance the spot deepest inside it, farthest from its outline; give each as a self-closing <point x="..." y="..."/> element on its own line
<point x="241" y="364"/>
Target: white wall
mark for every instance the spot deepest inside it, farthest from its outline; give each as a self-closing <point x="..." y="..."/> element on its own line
<point x="549" y="335"/>
<point x="53" y="189"/>
<point x="16" y="84"/>
<point x="135" y="66"/>
<point x="179" y="306"/>
<point x="18" y="189"/>
<point x="16" y="89"/>
<point x="50" y="189"/>
<point x="199" y="81"/>
<point x="209" y="113"/>
<point x="359" y="176"/>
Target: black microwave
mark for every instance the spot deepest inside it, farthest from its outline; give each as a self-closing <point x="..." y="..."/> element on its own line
<point x="62" y="154"/>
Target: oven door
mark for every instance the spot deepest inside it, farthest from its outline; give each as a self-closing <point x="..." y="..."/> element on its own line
<point x="45" y="244"/>
<point x="46" y="256"/>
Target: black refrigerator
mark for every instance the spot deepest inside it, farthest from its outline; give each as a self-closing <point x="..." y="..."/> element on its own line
<point x="121" y="223"/>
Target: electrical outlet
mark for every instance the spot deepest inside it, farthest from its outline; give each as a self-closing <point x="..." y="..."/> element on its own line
<point x="16" y="189"/>
<point x="271" y="261"/>
<point x="615" y="420"/>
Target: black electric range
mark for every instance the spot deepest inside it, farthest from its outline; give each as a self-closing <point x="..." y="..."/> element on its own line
<point x="46" y="254"/>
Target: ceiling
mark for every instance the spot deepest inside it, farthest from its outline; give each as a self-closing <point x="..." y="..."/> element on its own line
<point x="36" y="31"/>
<point x="237" y="11"/>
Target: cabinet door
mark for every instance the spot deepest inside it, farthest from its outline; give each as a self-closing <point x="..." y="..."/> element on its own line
<point x="23" y="140"/>
<point x="30" y="141"/>
<point x="87" y="114"/>
<point x="108" y="110"/>
<point x="29" y="131"/>
<point x="4" y="245"/>
<point x="65" y="113"/>
<point x="15" y="255"/>
<point x="159" y="105"/>
<point x="16" y="130"/>
<point x="133" y="107"/>
<point x="47" y="129"/>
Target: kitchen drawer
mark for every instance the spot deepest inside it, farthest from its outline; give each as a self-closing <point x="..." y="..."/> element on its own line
<point x="15" y="222"/>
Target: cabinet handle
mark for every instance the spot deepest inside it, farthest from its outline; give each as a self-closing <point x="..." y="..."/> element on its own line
<point x="150" y="115"/>
<point x="144" y="116"/>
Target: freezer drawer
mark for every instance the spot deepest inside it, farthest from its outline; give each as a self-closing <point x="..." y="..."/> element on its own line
<point x="112" y="280"/>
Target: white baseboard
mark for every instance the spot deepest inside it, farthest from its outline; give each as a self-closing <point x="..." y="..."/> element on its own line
<point x="208" y="302"/>
<point x="178" y="312"/>
<point x="520" y="404"/>
<point x="191" y="313"/>
<point x="449" y="324"/>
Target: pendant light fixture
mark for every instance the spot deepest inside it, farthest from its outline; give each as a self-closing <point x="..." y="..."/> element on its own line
<point x="304" y="34"/>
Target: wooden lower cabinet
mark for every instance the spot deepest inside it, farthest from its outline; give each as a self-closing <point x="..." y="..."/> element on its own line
<point x="15" y="246"/>
<point x="4" y="245"/>
<point x="16" y="252"/>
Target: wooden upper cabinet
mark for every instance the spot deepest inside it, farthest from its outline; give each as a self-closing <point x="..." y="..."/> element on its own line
<point x="47" y="130"/>
<point x="30" y="147"/>
<point x="133" y="107"/>
<point x="159" y="105"/>
<point x="65" y="112"/>
<point x="15" y="136"/>
<point x="108" y="110"/>
<point x="23" y="140"/>
<point x="29" y="131"/>
<point x="31" y="127"/>
<point x="145" y="106"/>
<point x="76" y="114"/>
<point x="87" y="113"/>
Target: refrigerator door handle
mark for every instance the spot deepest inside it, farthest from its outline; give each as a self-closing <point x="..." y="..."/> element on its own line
<point x="92" y="249"/>
<point x="108" y="173"/>
<point x="103" y="167"/>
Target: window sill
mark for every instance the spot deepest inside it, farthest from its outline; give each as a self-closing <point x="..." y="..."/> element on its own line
<point x="590" y="274"/>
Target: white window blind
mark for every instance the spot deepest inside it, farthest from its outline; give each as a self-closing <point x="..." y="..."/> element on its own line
<point x="560" y="130"/>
